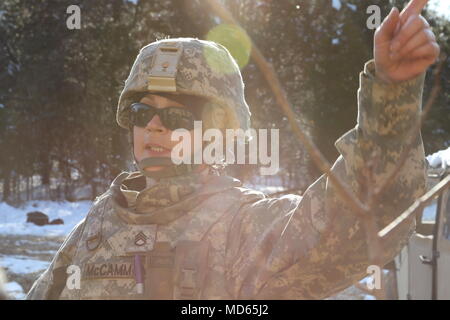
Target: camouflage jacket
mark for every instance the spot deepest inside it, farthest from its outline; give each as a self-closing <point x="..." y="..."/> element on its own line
<point x="229" y="242"/>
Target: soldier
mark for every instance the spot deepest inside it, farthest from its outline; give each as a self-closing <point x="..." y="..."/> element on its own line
<point x="187" y="232"/>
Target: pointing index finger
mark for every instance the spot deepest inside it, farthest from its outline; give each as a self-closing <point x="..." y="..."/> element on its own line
<point x="413" y="7"/>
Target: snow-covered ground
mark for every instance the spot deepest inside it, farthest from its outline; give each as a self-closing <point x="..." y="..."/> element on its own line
<point x="27" y="249"/>
<point x="22" y="264"/>
<point x="13" y="220"/>
<point x="15" y="290"/>
<point x="24" y="258"/>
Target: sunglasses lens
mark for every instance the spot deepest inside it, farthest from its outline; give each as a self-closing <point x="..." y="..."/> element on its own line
<point x="176" y="118"/>
<point x="172" y="117"/>
<point x="141" y="114"/>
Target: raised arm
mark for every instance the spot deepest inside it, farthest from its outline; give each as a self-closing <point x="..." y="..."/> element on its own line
<point x="312" y="247"/>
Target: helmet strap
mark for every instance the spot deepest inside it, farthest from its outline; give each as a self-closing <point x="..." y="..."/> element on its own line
<point x="170" y="169"/>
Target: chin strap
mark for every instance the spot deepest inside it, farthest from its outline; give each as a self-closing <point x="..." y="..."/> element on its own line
<point x="170" y="169"/>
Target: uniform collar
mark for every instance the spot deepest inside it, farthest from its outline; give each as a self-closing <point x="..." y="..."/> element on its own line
<point x="167" y="200"/>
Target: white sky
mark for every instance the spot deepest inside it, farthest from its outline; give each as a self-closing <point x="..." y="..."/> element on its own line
<point x="441" y="6"/>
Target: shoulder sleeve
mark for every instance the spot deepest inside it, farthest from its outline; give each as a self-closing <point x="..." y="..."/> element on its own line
<point x="51" y="283"/>
<point x="312" y="246"/>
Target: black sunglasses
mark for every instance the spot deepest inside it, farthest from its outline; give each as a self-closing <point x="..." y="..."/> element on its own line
<point x="171" y="117"/>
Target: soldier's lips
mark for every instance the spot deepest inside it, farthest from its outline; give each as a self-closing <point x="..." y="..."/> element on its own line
<point x="156" y="150"/>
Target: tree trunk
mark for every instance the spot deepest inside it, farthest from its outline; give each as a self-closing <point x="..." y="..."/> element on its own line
<point x="28" y="188"/>
<point x="14" y="188"/>
<point x="6" y="186"/>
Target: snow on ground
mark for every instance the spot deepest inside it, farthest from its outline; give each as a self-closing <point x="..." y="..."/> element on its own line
<point x="13" y="220"/>
<point x="14" y="291"/>
<point x="22" y="264"/>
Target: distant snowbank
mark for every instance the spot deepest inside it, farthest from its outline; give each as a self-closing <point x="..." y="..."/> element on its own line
<point x="13" y="220"/>
<point x="22" y="264"/>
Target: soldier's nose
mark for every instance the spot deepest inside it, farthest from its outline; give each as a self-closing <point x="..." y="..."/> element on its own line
<point x="155" y="125"/>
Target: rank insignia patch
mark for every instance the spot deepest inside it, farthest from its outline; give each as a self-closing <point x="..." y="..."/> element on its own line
<point x="140" y="239"/>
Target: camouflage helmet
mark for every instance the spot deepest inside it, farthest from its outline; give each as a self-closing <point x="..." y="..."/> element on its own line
<point x="188" y="66"/>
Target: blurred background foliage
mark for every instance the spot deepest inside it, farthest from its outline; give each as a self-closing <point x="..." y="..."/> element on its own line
<point x="59" y="87"/>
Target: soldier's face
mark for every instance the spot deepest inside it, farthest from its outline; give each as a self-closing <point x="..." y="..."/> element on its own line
<point x="154" y="140"/>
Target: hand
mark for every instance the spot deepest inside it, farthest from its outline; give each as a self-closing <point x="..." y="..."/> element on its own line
<point x="404" y="44"/>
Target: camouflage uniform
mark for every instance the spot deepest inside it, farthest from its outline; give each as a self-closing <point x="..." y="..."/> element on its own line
<point x="207" y="237"/>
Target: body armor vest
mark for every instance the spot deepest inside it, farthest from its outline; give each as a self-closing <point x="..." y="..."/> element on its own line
<point x="124" y="255"/>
